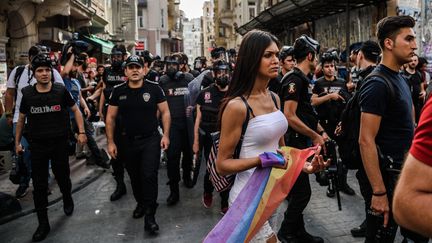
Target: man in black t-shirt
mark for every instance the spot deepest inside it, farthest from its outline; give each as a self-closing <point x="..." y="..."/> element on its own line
<point x="45" y="106"/>
<point x="415" y="83"/>
<point x="386" y="129"/>
<point x="138" y="102"/>
<point x="113" y="76"/>
<point x="303" y="131"/>
<point x="330" y="95"/>
<point x="208" y="104"/>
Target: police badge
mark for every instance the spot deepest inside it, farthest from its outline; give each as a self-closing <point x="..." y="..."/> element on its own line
<point x="146" y="97"/>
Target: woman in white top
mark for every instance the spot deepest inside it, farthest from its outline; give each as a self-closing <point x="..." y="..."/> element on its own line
<point x="256" y="64"/>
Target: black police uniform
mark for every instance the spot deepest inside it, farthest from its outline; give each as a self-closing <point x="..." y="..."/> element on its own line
<point x="175" y="89"/>
<point x="210" y="100"/>
<point x="112" y="77"/>
<point x="138" y="109"/>
<point x="295" y="87"/>
<point x="330" y="111"/>
<point x="414" y="82"/>
<point x="329" y="114"/>
<point x="47" y="130"/>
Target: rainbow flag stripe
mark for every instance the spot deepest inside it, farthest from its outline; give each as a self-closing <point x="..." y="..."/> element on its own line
<point x="258" y="200"/>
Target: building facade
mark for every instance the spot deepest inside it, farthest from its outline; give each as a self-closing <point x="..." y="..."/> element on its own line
<point x="208" y="28"/>
<point x="153" y="27"/>
<point x="192" y="39"/>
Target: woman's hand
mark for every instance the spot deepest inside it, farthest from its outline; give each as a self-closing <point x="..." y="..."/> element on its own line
<point x="317" y="164"/>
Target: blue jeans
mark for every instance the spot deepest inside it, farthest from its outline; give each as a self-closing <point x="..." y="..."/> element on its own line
<point x="24" y="172"/>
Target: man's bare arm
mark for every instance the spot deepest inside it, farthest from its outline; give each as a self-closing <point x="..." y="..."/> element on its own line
<point x="413" y="197"/>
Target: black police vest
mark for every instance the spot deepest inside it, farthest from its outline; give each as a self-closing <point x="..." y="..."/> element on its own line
<point x="209" y="118"/>
<point x="113" y="77"/>
<point x="48" y="116"/>
<point x="175" y="90"/>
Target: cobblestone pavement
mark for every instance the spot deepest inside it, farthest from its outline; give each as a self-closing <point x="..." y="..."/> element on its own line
<point x="96" y="219"/>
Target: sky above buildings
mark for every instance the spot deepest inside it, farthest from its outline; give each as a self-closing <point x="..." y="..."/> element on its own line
<point x="192" y="8"/>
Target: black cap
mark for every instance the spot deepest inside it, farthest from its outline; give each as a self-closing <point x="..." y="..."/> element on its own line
<point x="134" y="59"/>
<point x="370" y="50"/>
<point x="216" y="52"/>
<point x="355" y="47"/>
<point x="304" y="45"/>
<point x="41" y="60"/>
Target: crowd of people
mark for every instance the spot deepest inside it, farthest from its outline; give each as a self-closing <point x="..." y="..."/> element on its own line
<point x="263" y="97"/>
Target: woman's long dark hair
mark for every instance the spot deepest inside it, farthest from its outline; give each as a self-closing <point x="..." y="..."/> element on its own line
<point x="251" y="50"/>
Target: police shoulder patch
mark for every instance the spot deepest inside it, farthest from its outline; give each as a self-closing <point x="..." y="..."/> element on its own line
<point x="291" y="88"/>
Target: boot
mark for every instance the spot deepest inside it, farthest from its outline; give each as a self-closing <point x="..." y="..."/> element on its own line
<point x="139" y="211"/>
<point x="119" y="191"/>
<point x="68" y="204"/>
<point x="174" y="195"/>
<point x="43" y="229"/>
<point x="359" y="231"/>
<point x="187" y="180"/>
<point x="343" y="185"/>
<point x="150" y="224"/>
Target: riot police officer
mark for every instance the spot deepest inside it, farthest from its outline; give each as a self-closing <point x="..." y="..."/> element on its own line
<point x="45" y="107"/>
<point x="330" y="95"/>
<point x="138" y="102"/>
<point x="175" y="86"/>
<point x="303" y="131"/>
<point x="113" y="76"/>
<point x="208" y="104"/>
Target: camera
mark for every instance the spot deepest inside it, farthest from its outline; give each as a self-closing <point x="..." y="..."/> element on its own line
<point x="78" y="46"/>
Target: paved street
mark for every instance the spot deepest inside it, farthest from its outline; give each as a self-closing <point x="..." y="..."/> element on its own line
<point x="96" y="219"/>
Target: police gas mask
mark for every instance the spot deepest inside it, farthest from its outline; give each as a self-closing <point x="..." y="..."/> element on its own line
<point x="172" y="68"/>
<point x="221" y="73"/>
<point x="222" y="81"/>
<point x="116" y="61"/>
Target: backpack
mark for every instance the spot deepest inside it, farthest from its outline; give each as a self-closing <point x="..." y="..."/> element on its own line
<point x="349" y="148"/>
<point x="19" y="71"/>
<point x="223" y="183"/>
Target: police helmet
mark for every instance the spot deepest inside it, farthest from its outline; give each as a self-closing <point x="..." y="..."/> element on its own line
<point x="173" y="59"/>
<point x="304" y="45"/>
<point x="118" y="50"/>
<point x="285" y="52"/>
<point x="217" y="52"/>
<point x="148" y="57"/>
<point x="220" y="65"/>
<point x="329" y="56"/>
<point x="41" y="60"/>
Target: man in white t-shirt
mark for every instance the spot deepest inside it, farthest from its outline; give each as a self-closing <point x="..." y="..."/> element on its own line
<point x="20" y="77"/>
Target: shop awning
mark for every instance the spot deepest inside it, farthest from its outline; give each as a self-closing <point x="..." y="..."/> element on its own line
<point x="290" y="13"/>
<point x="106" y="46"/>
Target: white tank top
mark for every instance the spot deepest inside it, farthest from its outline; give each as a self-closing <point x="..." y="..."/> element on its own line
<point x="262" y="135"/>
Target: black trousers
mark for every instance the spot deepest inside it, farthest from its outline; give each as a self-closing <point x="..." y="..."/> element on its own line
<point x="375" y="232"/>
<point x="117" y="164"/>
<point x="91" y="142"/>
<point x="43" y="151"/>
<point x="142" y="165"/>
<point x="206" y="142"/>
<point x="298" y="199"/>
<point x="179" y="144"/>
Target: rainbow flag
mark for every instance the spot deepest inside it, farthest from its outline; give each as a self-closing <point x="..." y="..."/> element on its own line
<point x="258" y="200"/>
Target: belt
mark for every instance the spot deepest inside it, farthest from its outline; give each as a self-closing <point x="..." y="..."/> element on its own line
<point x="143" y="136"/>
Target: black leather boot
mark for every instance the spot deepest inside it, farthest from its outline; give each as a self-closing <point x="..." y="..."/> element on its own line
<point x="119" y="191"/>
<point x="139" y="211"/>
<point x="68" y="204"/>
<point x="43" y="229"/>
<point x="359" y="231"/>
<point x="150" y="224"/>
<point x="174" y="195"/>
